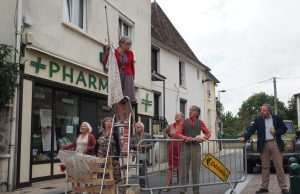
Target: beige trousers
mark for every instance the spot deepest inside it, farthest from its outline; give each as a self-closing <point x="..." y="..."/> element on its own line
<point x="271" y="149"/>
<point x="190" y="154"/>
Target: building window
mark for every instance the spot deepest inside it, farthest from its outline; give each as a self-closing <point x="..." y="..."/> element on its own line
<point x="208" y="90"/>
<point x="154" y="59"/>
<point x="198" y="74"/>
<point x="146" y="121"/>
<point x="183" y="106"/>
<point x="124" y="29"/>
<point x="156" y="104"/>
<point x="181" y="73"/>
<point x="75" y="12"/>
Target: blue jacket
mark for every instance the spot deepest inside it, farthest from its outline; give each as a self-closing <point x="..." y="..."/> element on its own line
<point x="259" y="126"/>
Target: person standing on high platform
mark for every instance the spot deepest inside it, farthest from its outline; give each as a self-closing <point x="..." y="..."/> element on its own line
<point x="125" y="61"/>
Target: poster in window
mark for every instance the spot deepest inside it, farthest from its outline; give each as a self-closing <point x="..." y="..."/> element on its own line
<point x="46" y="123"/>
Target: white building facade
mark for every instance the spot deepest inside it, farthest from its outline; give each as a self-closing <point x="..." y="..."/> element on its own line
<point x="63" y="80"/>
<point x="187" y="81"/>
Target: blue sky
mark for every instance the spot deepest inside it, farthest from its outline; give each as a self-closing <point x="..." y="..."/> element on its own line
<point x="244" y="42"/>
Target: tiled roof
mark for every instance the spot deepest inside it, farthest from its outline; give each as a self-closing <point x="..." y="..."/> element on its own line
<point x="163" y="30"/>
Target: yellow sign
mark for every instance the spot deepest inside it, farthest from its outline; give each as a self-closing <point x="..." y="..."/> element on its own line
<point x="215" y="166"/>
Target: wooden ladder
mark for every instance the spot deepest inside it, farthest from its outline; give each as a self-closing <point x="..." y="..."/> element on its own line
<point x="92" y="184"/>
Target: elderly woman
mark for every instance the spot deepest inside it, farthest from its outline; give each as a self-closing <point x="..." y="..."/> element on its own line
<point x="173" y="149"/>
<point x="85" y="142"/>
<point x="125" y="60"/>
<point x="114" y="147"/>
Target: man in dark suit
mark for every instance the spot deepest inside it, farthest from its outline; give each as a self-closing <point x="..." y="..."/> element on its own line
<point x="144" y="150"/>
<point x="269" y="129"/>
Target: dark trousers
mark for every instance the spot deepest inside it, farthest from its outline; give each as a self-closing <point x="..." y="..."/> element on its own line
<point x="142" y="172"/>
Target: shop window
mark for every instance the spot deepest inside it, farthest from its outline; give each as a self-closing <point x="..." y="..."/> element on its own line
<point x="66" y="118"/>
<point x="42" y="124"/>
<point x="75" y="12"/>
<point x="103" y="112"/>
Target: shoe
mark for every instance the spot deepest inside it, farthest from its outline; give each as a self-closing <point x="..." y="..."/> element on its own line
<point x="262" y="191"/>
<point x="285" y="191"/>
<point x="166" y="190"/>
<point x="125" y="99"/>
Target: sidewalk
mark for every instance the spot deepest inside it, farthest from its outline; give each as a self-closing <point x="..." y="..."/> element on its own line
<point x="252" y="184"/>
<point x="255" y="182"/>
<point x="56" y="186"/>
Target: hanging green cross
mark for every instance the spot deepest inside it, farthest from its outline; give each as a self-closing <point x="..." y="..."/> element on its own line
<point x="146" y="102"/>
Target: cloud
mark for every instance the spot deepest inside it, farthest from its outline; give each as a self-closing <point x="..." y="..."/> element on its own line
<point x="243" y="42"/>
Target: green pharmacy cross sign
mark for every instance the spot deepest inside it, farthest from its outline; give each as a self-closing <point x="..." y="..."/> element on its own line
<point x="69" y="75"/>
<point x="146" y="102"/>
<point x="38" y="65"/>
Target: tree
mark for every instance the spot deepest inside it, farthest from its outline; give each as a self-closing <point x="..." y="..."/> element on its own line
<point x="220" y="108"/>
<point x="8" y="75"/>
<point x="252" y="106"/>
<point x="291" y="111"/>
<point x="231" y="124"/>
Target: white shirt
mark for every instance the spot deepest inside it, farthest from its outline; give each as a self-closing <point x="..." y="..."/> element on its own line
<point x="269" y="125"/>
<point x="81" y="143"/>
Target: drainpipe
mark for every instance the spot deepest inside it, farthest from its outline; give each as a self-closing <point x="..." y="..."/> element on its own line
<point x="13" y="129"/>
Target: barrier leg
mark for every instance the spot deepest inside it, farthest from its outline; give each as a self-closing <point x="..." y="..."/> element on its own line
<point x="66" y="186"/>
<point x="232" y="188"/>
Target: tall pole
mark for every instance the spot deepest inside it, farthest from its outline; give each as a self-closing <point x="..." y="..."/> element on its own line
<point x="275" y="95"/>
<point x="107" y="27"/>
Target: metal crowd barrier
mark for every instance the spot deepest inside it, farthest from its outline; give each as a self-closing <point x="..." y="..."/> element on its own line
<point x="212" y="153"/>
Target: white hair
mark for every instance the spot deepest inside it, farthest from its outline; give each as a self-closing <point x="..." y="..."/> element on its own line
<point x="88" y="126"/>
<point x="140" y="123"/>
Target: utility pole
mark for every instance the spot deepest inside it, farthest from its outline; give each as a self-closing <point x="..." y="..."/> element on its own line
<point x="275" y="95"/>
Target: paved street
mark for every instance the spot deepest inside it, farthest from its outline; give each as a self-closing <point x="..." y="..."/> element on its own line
<point x="158" y="179"/>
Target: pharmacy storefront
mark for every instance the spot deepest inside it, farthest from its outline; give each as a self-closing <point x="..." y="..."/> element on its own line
<point x="56" y="96"/>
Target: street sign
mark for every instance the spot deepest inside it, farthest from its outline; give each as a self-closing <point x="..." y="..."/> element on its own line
<point x="215" y="166"/>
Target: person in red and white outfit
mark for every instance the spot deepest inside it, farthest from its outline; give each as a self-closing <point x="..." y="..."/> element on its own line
<point x="190" y="150"/>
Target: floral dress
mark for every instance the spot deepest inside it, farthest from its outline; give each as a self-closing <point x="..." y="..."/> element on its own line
<point x="114" y="151"/>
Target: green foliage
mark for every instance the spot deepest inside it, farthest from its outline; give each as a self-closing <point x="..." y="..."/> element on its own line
<point x="231" y="124"/>
<point x="292" y="110"/>
<point x="220" y="108"/>
<point x="252" y="106"/>
<point x="8" y="75"/>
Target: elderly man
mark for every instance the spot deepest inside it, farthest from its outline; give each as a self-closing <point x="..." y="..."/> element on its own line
<point x="190" y="150"/>
<point x="144" y="150"/>
<point x="269" y="129"/>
